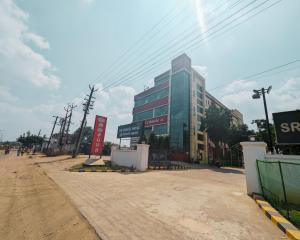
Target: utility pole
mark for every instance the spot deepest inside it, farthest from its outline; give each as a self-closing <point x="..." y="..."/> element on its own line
<point x="63" y="128"/>
<point x="267" y="118"/>
<point x="87" y="105"/>
<point x="256" y="95"/>
<point x="56" y="117"/>
<point x="72" y="106"/>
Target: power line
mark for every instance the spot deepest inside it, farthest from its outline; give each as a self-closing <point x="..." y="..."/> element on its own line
<point x="258" y="74"/>
<point x="192" y="45"/>
<point x="189" y="30"/>
<point x="183" y="37"/>
<point x="136" y="43"/>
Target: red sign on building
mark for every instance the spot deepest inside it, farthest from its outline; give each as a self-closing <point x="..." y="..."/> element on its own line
<point x="156" y="121"/>
<point x="98" y="136"/>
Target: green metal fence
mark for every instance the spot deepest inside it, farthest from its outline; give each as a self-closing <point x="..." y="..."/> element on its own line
<point x="280" y="184"/>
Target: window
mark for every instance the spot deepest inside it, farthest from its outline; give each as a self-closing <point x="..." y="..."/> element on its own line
<point x="142" y="116"/>
<point x="152" y="97"/>
<point x="200" y="147"/>
<point x="199" y="109"/>
<point x="199" y="94"/>
<point x="199" y="102"/>
<point x="161" y="129"/>
<point x="199" y="118"/>
<point x="160" y="111"/>
<point x="199" y="87"/>
<point x="180" y="111"/>
<point x="200" y="137"/>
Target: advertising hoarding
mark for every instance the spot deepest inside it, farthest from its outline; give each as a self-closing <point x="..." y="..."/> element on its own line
<point x="287" y="127"/>
<point x="131" y="130"/>
<point x="98" y="135"/>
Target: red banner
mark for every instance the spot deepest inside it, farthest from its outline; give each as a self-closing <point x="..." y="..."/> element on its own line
<point x="98" y="136"/>
<point x="156" y="121"/>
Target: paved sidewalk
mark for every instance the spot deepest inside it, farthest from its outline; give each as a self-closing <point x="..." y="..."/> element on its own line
<point x="190" y="204"/>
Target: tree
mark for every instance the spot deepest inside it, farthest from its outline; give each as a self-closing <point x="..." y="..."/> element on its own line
<point x="29" y="140"/>
<point x="107" y="148"/>
<point x="216" y="124"/>
<point x="86" y="140"/>
<point x="262" y="134"/>
<point x="239" y="134"/>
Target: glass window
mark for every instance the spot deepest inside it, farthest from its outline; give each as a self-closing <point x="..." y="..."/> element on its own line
<point x="199" y="95"/>
<point x="180" y="112"/>
<point x="200" y="147"/>
<point x="161" y="129"/>
<point x="200" y="137"/>
<point x="160" y="111"/>
<point x="199" y="109"/>
<point x="199" y="118"/>
<point x="199" y="87"/>
<point x="150" y="98"/>
<point x="142" y="116"/>
<point x="199" y="102"/>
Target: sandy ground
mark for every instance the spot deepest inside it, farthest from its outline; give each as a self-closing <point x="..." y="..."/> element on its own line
<point x="33" y="207"/>
<point x="162" y="205"/>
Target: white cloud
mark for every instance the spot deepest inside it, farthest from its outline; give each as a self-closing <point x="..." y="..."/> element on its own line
<point x="202" y="70"/>
<point x="115" y="103"/>
<point x="6" y="95"/>
<point x="19" y="62"/>
<point x="239" y="93"/>
<point x="38" y="40"/>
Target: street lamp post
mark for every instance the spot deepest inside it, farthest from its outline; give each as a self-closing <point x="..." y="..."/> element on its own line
<point x="256" y="95"/>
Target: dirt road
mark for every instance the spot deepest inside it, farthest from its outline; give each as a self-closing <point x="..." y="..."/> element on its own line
<point x="208" y="204"/>
<point x="33" y="207"/>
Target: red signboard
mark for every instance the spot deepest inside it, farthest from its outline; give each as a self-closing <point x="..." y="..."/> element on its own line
<point x="156" y="121"/>
<point x="98" y="136"/>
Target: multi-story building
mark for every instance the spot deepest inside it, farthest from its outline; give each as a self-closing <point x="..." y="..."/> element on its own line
<point x="176" y="105"/>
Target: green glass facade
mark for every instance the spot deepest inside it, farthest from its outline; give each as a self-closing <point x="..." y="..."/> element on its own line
<point x="160" y="111"/>
<point x="152" y="97"/>
<point x="180" y="111"/>
<point x="142" y="116"/>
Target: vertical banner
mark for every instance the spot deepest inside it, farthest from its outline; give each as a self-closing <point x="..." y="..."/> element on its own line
<point x="98" y="135"/>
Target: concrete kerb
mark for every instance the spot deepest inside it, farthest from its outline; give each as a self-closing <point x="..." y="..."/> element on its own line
<point x="282" y="223"/>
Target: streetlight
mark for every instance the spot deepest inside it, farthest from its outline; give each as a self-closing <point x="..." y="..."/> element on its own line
<point x="256" y="95"/>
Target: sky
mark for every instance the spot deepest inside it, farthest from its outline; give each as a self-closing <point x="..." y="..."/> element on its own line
<point x="50" y="51"/>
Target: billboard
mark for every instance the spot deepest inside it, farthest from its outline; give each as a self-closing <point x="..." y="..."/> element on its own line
<point x="131" y="130"/>
<point x="98" y="135"/>
<point x="156" y="121"/>
<point x="287" y="127"/>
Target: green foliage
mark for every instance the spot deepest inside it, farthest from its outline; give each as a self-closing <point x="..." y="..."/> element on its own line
<point x="28" y="140"/>
<point x="107" y="148"/>
<point x="86" y="139"/>
<point x="237" y="134"/>
<point x="217" y="124"/>
<point x="262" y="134"/>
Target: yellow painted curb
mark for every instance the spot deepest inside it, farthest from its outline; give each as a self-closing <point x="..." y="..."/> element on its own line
<point x="278" y="219"/>
<point x="293" y="234"/>
<point x="288" y="228"/>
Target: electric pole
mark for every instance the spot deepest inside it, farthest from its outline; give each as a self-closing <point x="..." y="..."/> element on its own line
<point x="256" y="95"/>
<point x="63" y="128"/>
<point x="87" y="105"/>
<point x="72" y="106"/>
<point x="56" y="117"/>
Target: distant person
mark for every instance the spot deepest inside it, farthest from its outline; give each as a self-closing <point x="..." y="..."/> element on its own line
<point x="22" y="151"/>
<point x="19" y="151"/>
<point x="7" y="150"/>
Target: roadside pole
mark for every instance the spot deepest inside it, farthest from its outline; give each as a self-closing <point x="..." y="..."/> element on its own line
<point x="87" y="105"/>
<point x="56" y="117"/>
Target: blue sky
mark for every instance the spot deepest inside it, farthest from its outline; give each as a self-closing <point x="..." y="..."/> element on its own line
<point x="51" y="50"/>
